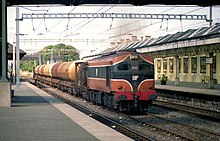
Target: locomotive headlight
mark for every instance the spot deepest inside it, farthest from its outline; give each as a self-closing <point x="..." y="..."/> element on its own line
<point x="134" y="56"/>
<point x="135" y="77"/>
<point x="134" y="67"/>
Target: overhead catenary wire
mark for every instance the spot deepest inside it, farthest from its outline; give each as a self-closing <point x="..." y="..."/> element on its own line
<point x="135" y="21"/>
<point x="32" y="21"/>
<point x="41" y="20"/>
<point x="126" y="33"/>
<point x="61" y="20"/>
<point x="92" y="18"/>
<point x="45" y="25"/>
<point x="177" y="28"/>
<point x="79" y="24"/>
<point x="132" y="22"/>
<point x="33" y="9"/>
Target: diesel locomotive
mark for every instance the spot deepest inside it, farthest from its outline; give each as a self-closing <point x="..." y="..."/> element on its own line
<point x="123" y="81"/>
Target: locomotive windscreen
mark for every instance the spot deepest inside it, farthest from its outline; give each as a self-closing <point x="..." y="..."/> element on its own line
<point x="134" y="71"/>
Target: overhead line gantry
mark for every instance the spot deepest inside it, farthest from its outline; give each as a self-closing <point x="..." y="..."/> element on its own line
<point x="112" y="15"/>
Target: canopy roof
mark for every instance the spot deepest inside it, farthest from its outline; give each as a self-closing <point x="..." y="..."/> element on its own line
<point x="10" y="52"/>
<point x="133" y="2"/>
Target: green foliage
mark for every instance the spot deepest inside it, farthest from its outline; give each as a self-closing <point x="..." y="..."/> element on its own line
<point x="164" y="77"/>
<point x="66" y="52"/>
<point x="27" y="65"/>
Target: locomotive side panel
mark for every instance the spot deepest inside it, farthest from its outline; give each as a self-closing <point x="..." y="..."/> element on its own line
<point x="98" y="84"/>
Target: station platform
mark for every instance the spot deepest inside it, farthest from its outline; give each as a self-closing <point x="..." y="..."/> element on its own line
<point x="37" y="116"/>
<point x="190" y="87"/>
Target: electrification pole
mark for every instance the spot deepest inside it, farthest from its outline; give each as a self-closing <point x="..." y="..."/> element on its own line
<point x="17" y="50"/>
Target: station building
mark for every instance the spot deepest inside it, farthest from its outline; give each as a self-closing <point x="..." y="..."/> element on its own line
<point x="190" y="56"/>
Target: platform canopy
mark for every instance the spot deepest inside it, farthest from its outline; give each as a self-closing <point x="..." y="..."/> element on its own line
<point x="10" y="52"/>
<point x="133" y="2"/>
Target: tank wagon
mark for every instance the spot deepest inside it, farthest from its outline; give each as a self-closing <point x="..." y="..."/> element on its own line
<point x="123" y="80"/>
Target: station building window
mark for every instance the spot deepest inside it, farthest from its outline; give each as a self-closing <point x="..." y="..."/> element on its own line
<point x="171" y="65"/>
<point x="164" y="65"/>
<point x="185" y="65"/>
<point x="194" y="65"/>
<point x="158" y="65"/>
<point x="202" y="64"/>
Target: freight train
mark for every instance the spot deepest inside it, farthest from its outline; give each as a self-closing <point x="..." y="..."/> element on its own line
<point x="123" y="81"/>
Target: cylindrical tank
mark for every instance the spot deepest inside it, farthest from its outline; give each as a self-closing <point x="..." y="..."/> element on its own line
<point x="66" y="71"/>
<point x="36" y="70"/>
<point x="54" y="70"/>
<point x="62" y="70"/>
<point x="47" y="70"/>
<point x="59" y="68"/>
<point x="41" y="69"/>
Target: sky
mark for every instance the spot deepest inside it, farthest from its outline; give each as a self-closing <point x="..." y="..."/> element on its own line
<point x="91" y="36"/>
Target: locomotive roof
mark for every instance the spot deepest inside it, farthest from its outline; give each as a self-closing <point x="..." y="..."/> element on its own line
<point x="108" y="60"/>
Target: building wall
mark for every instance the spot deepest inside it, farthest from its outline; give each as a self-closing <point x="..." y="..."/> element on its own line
<point x="195" y="72"/>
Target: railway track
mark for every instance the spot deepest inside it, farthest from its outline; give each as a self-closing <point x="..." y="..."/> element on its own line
<point x="116" y="126"/>
<point x="159" y="129"/>
<point x="170" y="130"/>
<point x="177" y="129"/>
<point x="201" y="112"/>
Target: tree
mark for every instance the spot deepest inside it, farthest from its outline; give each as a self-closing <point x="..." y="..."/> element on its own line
<point x="27" y="65"/>
<point x="66" y="52"/>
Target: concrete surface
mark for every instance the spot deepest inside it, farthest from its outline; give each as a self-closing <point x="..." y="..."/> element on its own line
<point x="31" y="118"/>
<point x="5" y="94"/>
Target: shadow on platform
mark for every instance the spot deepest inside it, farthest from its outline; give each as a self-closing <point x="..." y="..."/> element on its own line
<point x="23" y="101"/>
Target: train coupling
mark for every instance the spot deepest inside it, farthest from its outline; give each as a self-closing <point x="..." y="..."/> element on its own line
<point x="136" y="98"/>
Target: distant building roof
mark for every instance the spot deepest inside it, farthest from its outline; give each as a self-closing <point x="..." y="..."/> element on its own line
<point x="37" y="55"/>
<point x="31" y="57"/>
<point x="200" y="33"/>
<point x="55" y="57"/>
<point x="10" y="52"/>
<point x="190" y="34"/>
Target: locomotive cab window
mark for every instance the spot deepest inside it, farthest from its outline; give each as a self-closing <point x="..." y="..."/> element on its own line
<point x="145" y="66"/>
<point x="124" y="66"/>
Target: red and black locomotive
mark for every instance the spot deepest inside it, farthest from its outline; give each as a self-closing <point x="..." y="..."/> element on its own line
<point x="123" y="80"/>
